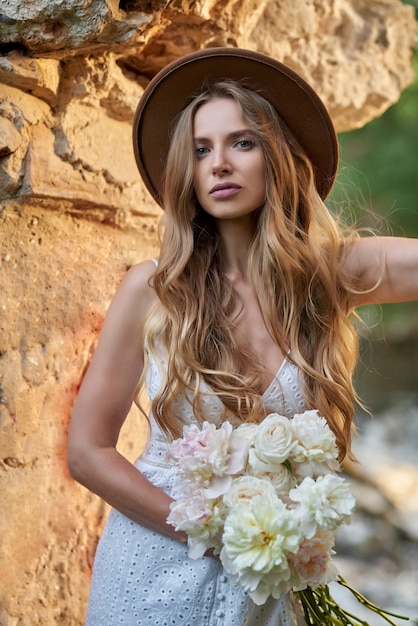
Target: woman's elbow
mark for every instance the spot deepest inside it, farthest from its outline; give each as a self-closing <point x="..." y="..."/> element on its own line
<point x="78" y="460"/>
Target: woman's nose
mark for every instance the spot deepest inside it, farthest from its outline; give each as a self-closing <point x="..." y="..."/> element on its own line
<point x="220" y="164"/>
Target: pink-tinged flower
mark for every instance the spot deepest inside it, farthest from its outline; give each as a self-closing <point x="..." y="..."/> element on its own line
<point x="312" y="565"/>
<point x="239" y="443"/>
<point x="326" y="502"/>
<point x="201" y="519"/>
<point x="210" y="456"/>
<point x="273" y="443"/>
<point x="244" y="488"/>
<point x="316" y="452"/>
<point x="202" y="452"/>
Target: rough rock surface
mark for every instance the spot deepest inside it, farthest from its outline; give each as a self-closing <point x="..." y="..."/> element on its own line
<point x="74" y="217"/>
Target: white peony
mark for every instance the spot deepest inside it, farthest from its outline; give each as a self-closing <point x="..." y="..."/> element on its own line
<point x="258" y="536"/>
<point x="202" y="452"/>
<point x="326" y="502"/>
<point x="201" y="519"/>
<point x="259" y="533"/>
<point x="316" y="452"/>
<point x="209" y="456"/>
<point x="239" y="444"/>
<point x="260" y="587"/>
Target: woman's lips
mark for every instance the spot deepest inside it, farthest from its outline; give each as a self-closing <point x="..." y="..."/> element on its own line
<point x="224" y="190"/>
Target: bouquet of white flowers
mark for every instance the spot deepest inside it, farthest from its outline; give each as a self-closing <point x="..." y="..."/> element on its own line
<point x="266" y="498"/>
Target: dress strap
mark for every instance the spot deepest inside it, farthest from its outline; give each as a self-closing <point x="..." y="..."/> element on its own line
<point x="155" y="261"/>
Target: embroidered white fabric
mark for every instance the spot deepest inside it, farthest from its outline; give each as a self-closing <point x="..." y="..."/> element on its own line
<point x="142" y="578"/>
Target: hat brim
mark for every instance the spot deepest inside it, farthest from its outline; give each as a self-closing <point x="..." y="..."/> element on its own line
<point x="173" y="87"/>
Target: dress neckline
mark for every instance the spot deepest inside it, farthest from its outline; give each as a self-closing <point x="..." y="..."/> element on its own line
<point x="276" y="377"/>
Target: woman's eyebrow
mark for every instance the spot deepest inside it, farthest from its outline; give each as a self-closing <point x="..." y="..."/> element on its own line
<point x="233" y="135"/>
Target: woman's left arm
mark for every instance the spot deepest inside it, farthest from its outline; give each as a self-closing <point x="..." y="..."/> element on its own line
<point x="386" y="269"/>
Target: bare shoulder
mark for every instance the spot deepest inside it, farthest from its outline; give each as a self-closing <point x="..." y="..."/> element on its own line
<point x="139" y="277"/>
<point x="137" y="283"/>
<point x="134" y="298"/>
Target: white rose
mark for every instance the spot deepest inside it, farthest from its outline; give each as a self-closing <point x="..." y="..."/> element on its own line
<point x="273" y="443"/>
<point x="281" y="479"/>
<point x="247" y="431"/>
<point x="247" y="487"/>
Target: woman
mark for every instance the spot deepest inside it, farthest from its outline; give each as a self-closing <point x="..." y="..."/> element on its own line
<point x="247" y="311"/>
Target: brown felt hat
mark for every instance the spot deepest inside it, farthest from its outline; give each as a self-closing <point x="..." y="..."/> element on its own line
<point x="174" y="87"/>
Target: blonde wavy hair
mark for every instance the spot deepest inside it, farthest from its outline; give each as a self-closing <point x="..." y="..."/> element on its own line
<point x="294" y="266"/>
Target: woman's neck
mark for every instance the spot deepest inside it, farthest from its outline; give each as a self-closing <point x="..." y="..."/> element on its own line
<point x="236" y="236"/>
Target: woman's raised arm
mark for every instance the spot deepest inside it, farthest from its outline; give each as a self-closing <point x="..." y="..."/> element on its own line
<point x="386" y="267"/>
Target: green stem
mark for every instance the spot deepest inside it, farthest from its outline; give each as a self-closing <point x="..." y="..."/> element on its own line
<point x="369" y="605"/>
<point x="320" y="608"/>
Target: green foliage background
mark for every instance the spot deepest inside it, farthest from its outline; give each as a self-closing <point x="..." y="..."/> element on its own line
<point x="378" y="186"/>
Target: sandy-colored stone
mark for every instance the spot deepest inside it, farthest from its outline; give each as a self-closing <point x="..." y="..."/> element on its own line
<point x="58" y="275"/>
<point x="9" y="138"/>
<point x="40" y="77"/>
<point x="41" y="25"/>
<point x="98" y="192"/>
<point x="25" y="112"/>
<point x="74" y="216"/>
<point x="363" y="57"/>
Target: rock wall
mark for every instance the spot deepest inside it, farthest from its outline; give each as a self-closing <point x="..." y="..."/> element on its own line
<point x="74" y="217"/>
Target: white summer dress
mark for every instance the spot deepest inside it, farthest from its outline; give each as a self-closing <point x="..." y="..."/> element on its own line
<point x="142" y="578"/>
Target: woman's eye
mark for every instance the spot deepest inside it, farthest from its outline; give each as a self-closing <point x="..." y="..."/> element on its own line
<point x="245" y="144"/>
<point x="200" y="151"/>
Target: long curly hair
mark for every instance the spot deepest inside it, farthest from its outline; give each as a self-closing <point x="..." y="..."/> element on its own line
<point x="294" y="267"/>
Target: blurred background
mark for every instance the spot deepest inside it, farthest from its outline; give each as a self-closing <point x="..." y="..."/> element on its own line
<point x="378" y="190"/>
